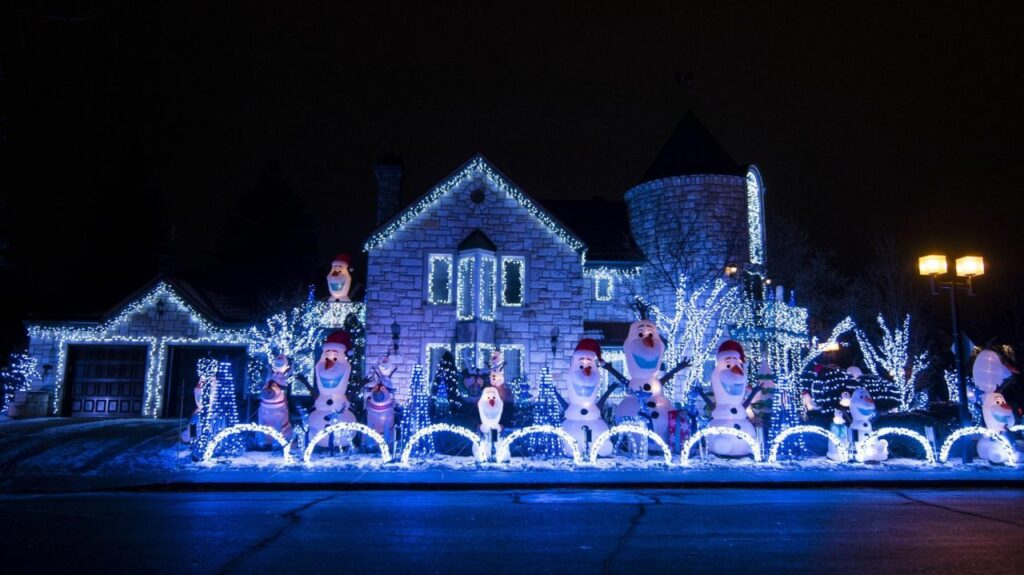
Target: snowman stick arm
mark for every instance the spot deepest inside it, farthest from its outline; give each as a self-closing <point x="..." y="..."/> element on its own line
<point x="607" y="394"/>
<point x="611" y="369"/>
<point x="305" y="382"/>
<point x="561" y="400"/>
<point x="685" y="363"/>
<point x="704" y="395"/>
<point x="753" y="392"/>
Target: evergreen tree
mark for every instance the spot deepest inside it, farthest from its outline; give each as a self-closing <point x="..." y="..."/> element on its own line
<point x="546" y="411"/>
<point x="520" y="388"/>
<point x="416" y="414"/>
<point x="445" y="380"/>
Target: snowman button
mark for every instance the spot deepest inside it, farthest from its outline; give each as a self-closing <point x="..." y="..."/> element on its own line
<point x="733" y="410"/>
<point x="651" y="404"/>
<point x="736" y="425"/>
<point x="655" y="415"/>
<point x="647" y="387"/>
<point x="584" y="412"/>
<point x="330" y="402"/>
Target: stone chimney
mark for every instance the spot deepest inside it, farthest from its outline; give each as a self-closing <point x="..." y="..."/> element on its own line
<point x="389" y="174"/>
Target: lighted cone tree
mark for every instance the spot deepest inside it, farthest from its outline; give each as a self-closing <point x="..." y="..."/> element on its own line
<point x="546" y="411"/>
<point x="416" y="414"/>
<point x="219" y="408"/>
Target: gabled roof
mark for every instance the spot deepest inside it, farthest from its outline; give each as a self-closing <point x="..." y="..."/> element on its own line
<point x="603" y="225"/>
<point x="691" y="150"/>
<point x="477" y="166"/>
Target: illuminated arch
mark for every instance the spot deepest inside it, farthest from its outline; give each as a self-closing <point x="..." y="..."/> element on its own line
<point x="595" y="447"/>
<point x="385" y="451"/>
<point x="245" y="428"/>
<point x="438" y="428"/>
<point x="1011" y="457"/>
<point x="755" y="449"/>
<point x="929" y="453"/>
<point x="755" y="215"/>
<point x="842" y="452"/>
<point x="503" y="449"/>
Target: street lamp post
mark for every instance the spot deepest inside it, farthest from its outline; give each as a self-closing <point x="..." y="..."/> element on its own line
<point x="967" y="267"/>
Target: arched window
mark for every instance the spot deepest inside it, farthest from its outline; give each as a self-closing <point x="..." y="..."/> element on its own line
<point x="476" y="295"/>
<point x="755" y="215"/>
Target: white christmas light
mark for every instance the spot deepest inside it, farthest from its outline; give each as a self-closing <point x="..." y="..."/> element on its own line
<point x="385" y="452"/>
<point x="684" y="456"/>
<point x="477" y="167"/>
<point x="604" y="287"/>
<point x="502" y="451"/>
<point x="465" y="304"/>
<point x="487" y="295"/>
<point x="975" y="430"/>
<point x="891" y="359"/>
<point x="595" y="447"/>
<point x="754" y="220"/>
<point x="868" y="439"/>
<point x="842" y="453"/>
<point x="474" y="438"/>
<point x="439" y="266"/>
<point x="246" y="428"/>
<point x="1016" y="428"/>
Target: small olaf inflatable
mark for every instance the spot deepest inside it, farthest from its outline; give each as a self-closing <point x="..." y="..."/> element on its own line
<point x="273" y="412"/>
<point x="193" y="420"/>
<point x="332" y="373"/>
<point x="989" y="371"/>
<point x="729" y="384"/>
<point x="489" y="407"/>
<point x="339" y="281"/>
<point x="840" y="430"/>
<point x="583" y="391"/>
<point x="862" y="410"/>
<point x="643" y="349"/>
<point x="497" y="376"/>
<point x="379" y="400"/>
<point x="998" y="416"/>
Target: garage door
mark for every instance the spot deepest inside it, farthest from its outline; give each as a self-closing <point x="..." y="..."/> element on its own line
<point x="105" y="381"/>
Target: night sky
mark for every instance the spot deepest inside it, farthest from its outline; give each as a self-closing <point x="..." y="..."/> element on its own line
<point x="864" y="119"/>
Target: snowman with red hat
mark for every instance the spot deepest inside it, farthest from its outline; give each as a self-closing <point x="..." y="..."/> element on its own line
<point x="339" y="281"/>
<point x="584" y="408"/>
<point x="332" y="373"/>
<point x="729" y="385"/>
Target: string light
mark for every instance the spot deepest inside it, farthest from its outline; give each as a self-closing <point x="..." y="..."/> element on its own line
<point x="477" y="167"/>
<point x="416" y="414"/>
<point x="684" y="455"/>
<point x="429" y="432"/>
<point x="219" y="408"/>
<point x="892" y="358"/>
<point x="867" y="442"/>
<point x="440" y="271"/>
<point x="595" y="447"/>
<point x="754" y="220"/>
<point x="115" y="331"/>
<point x="487" y="294"/>
<point x="842" y="453"/>
<point x="503" y="449"/>
<point x="465" y="289"/>
<point x="513" y="273"/>
<point x="547" y="413"/>
<point x="347" y="426"/>
<point x="247" y="428"/>
<point x="21" y="374"/>
<point x="1004" y="444"/>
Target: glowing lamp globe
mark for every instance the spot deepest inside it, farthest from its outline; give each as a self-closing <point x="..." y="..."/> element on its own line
<point x="970" y="266"/>
<point x="932" y="265"/>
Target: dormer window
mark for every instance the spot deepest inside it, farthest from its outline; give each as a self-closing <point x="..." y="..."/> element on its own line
<point x="477" y="281"/>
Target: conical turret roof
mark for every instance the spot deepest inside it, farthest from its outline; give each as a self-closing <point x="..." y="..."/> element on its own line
<point x="691" y="149"/>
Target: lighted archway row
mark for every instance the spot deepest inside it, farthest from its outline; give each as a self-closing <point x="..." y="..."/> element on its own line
<point x="385" y="451"/>
<point x="929" y="453"/>
<point x="502" y="451"/>
<point x="975" y="430"/>
<point x="842" y="452"/>
<point x="245" y="428"/>
<point x="755" y="449"/>
<point x="478" y="451"/>
<point x="627" y="428"/>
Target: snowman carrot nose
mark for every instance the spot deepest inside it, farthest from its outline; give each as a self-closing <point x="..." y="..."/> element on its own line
<point x="328" y="363"/>
<point x="586" y="371"/>
<point x="736" y="369"/>
<point x="649" y="341"/>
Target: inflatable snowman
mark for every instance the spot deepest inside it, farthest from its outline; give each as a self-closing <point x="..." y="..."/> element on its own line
<point x="582" y="392"/>
<point x="273" y="412"/>
<point x="989" y="372"/>
<point x="729" y="384"/>
<point x="489" y="407"/>
<point x="862" y="410"/>
<point x="643" y="349"/>
<point x="193" y="421"/>
<point x="332" y="373"/>
<point x="379" y="400"/>
<point x="339" y="281"/>
<point x="998" y="416"/>
<point x="840" y="430"/>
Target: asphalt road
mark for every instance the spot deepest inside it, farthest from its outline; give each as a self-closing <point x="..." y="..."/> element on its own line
<point x="680" y="531"/>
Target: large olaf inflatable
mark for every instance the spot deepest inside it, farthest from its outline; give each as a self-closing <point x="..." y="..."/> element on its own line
<point x="729" y="384"/>
<point x="998" y="416"/>
<point x="643" y="349"/>
<point x="339" y="280"/>
<point x="862" y="410"/>
<point x="583" y="391"/>
<point x="332" y="373"/>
